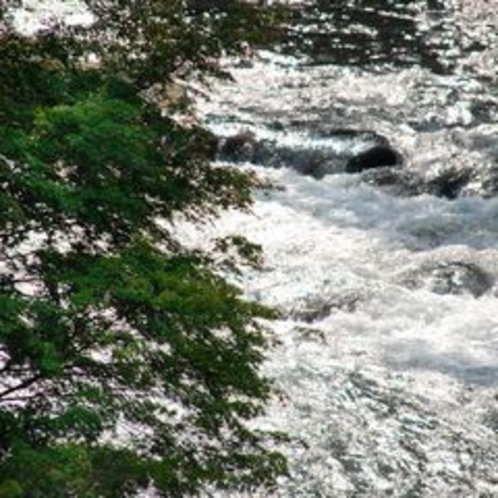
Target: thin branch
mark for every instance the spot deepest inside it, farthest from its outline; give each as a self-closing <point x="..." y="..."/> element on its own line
<point x="22" y="385"/>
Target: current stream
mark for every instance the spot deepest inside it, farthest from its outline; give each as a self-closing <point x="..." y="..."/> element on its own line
<point x="386" y="277"/>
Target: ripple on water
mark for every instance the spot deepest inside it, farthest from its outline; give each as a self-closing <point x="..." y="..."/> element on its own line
<point x="387" y="279"/>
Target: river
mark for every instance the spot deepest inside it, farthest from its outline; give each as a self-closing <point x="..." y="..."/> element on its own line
<point x="386" y="278"/>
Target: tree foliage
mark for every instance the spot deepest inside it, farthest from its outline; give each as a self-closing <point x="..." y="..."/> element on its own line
<point x="177" y="35"/>
<point x="126" y="360"/>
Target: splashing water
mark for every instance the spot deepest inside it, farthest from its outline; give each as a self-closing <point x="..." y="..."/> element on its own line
<point x="388" y="349"/>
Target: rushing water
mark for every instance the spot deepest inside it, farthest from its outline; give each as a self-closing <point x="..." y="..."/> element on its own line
<point x="388" y="352"/>
<point x="387" y="278"/>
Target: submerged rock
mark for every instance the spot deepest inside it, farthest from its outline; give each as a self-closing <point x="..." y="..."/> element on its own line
<point x="379" y="164"/>
<point x="450" y="277"/>
<point x="375" y="157"/>
<point x="395" y="181"/>
<point x="315" y="162"/>
<point x="449" y="184"/>
<point x="318" y="307"/>
<point x="238" y="148"/>
<point x="312" y="161"/>
<point x="489" y="183"/>
<point x="334" y="155"/>
<point x="368" y="137"/>
<point x="245" y="147"/>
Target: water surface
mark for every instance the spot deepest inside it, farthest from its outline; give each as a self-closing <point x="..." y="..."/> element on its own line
<point x="388" y="354"/>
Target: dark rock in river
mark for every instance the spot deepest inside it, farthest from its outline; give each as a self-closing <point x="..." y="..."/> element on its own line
<point x="450" y="277"/>
<point x="318" y="307"/>
<point x="401" y="182"/>
<point x="313" y="160"/>
<point x="395" y="181"/>
<point x="489" y="183"/>
<point x="449" y="184"/>
<point x="350" y="134"/>
<point x="244" y="147"/>
<point x="238" y="148"/>
<point x="375" y="157"/>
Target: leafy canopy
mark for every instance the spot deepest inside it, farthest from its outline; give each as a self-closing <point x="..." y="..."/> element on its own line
<point x="126" y="360"/>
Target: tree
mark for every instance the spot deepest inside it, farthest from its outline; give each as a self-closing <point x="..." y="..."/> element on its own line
<point x="126" y="360"/>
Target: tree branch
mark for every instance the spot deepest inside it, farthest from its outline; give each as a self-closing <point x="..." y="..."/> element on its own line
<point x="23" y="385"/>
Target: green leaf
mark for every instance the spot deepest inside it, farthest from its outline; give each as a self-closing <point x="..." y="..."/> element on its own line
<point x="127" y="360"/>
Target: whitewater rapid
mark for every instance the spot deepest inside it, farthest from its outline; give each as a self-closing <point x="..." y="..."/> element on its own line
<point x="393" y="388"/>
<point x="389" y="376"/>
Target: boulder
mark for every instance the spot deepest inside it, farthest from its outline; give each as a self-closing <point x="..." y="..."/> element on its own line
<point x="450" y="277"/>
<point x="374" y="157"/>
<point x="245" y="147"/>
<point x="395" y="181"/>
<point x="316" y="160"/>
<point x="489" y="182"/>
<point x="238" y="148"/>
<point x="369" y="137"/>
<point x="449" y="184"/>
<point x="405" y="183"/>
<point x="317" y="307"/>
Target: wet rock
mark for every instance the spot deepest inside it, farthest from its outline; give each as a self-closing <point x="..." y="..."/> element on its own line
<point x="395" y="181"/>
<point x="311" y="161"/>
<point x="485" y="111"/>
<point x="238" y="148"/>
<point x="316" y="308"/>
<point x="451" y="277"/>
<point x="310" y="334"/>
<point x="244" y="147"/>
<point x="351" y="134"/>
<point x="266" y="153"/>
<point x="316" y="160"/>
<point x="489" y="183"/>
<point x="375" y="157"/>
<point x="449" y="184"/>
